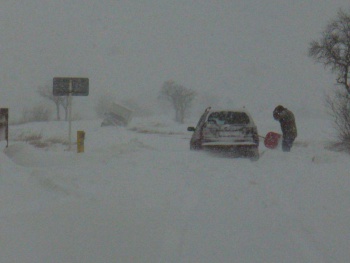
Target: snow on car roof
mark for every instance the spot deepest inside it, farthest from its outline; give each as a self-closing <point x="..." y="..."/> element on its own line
<point x="241" y="110"/>
<point x="232" y="110"/>
<point x="226" y="109"/>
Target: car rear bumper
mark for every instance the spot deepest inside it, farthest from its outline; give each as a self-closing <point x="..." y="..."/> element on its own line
<point x="229" y="144"/>
<point x="247" y="150"/>
<point x="239" y="148"/>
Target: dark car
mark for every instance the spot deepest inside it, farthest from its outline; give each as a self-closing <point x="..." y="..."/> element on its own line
<point x="111" y="119"/>
<point x="226" y="130"/>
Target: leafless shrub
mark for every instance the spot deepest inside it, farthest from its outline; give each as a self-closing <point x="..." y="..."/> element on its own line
<point x="37" y="140"/>
<point x="28" y="137"/>
<point x="338" y="106"/>
<point x="57" y="140"/>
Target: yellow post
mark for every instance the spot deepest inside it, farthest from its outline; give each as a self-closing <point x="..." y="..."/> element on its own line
<point x="80" y="141"/>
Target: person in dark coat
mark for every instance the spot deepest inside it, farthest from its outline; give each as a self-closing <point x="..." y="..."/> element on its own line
<point x="288" y="126"/>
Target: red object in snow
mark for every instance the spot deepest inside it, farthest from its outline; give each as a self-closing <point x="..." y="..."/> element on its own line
<point x="271" y="140"/>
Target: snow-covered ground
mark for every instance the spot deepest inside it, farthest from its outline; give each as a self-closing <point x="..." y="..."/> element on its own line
<point x="138" y="194"/>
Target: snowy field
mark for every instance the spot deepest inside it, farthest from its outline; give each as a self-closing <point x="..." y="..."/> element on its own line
<point x="138" y="194"/>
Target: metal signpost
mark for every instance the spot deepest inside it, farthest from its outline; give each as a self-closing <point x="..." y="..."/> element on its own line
<point x="70" y="87"/>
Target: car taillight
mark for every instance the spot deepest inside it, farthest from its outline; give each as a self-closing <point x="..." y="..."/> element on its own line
<point x="255" y="136"/>
<point x="248" y="131"/>
<point x="253" y="132"/>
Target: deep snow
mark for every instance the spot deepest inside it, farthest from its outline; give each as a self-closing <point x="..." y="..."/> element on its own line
<point x="138" y="194"/>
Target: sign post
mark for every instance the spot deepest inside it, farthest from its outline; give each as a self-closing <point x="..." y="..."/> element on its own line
<point x="4" y="125"/>
<point x="66" y="86"/>
<point x="70" y="114"/>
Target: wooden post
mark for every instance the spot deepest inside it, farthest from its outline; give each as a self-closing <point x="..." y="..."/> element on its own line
<point x="4" y="124"/>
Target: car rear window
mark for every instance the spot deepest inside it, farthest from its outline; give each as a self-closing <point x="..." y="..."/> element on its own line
<point x="228" y="117"/>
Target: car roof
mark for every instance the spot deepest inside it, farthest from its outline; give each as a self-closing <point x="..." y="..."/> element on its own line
<point x="243" y="110"/>
<point x="233" y="110"/>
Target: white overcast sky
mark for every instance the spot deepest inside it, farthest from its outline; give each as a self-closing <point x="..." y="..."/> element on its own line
<point x="238" y="49"/>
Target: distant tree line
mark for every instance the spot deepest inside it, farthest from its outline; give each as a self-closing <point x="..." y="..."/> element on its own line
<point x="179" y="97"/>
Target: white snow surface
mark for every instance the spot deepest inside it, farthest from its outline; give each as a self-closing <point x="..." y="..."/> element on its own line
<point x="138" y="194"/>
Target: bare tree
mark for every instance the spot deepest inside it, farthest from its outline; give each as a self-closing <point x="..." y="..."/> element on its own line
<point x="180" y="97"/>
<point x="46" y="92"/>
<point x="65" y="104"/>
<point x="333" y="49"/>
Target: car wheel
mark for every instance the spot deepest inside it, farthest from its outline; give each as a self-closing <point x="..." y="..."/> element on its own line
<point x="195" y="146"/>
<point x="254" y="155"/>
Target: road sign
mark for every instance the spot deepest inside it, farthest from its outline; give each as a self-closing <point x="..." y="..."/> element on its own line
<point x="78" y="86"/>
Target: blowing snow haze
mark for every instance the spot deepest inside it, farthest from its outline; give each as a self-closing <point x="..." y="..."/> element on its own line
<point x="245" y="52"/>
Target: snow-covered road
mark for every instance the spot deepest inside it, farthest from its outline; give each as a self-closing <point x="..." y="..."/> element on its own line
<point x="144" y="197"/>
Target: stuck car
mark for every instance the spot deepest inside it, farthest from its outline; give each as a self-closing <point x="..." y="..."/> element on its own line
<point x="227" y="130"/>
<point x="117" y="115"/>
